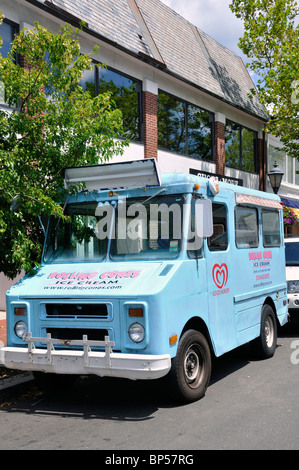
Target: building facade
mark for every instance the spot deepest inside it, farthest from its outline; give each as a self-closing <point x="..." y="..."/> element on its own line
<point x="184" y="96"/>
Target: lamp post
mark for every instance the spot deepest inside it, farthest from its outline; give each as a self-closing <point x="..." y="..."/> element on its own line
<point x="275" y="177"/>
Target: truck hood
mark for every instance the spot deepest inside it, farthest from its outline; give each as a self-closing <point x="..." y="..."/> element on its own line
<point x="93" y="280"/>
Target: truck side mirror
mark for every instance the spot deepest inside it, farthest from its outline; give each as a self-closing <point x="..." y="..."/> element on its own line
<point x="203" y="218"/>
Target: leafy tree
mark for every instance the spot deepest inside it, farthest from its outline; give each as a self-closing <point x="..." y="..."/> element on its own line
<point x="271" y="42"/>
<point x="52" y="123"/>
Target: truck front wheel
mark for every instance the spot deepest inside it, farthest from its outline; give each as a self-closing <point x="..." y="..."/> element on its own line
<point x="191" y="368"/>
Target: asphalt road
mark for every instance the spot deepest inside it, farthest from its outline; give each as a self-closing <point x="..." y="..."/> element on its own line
<point x="248" y="405"/>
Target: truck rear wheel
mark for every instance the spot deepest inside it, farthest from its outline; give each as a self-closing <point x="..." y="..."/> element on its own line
<point x="264" y="346"/>
<point x="191" y="368"/>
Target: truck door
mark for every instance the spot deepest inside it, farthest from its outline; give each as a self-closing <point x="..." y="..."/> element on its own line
<point x="219" y="279"/>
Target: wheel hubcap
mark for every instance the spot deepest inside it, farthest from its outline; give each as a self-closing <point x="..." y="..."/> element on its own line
<point x="192" y="366"/>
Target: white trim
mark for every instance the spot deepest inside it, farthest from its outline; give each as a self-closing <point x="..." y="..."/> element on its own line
<point x="151" y="87"/>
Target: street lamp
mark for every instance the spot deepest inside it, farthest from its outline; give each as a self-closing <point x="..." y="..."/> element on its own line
<point x="275" y="177"/>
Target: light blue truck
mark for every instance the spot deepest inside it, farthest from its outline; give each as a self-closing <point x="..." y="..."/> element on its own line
<point x="150" y="275"/>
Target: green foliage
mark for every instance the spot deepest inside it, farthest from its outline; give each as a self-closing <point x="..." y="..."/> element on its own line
<point x="271" y="42"/>
<point x="53" y="124"/>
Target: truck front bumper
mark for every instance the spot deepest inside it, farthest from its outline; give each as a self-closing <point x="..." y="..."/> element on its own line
<point x="83" y="360"/>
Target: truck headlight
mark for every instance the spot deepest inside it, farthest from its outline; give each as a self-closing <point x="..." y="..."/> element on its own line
<point x="21" y="329"/>
<point x="136" y="332"/>
<point x="293" y="287"/>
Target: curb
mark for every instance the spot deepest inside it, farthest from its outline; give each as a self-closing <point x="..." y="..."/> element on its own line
<point x="16" y="379"/>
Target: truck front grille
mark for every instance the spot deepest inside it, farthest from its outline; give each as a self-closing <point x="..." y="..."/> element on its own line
<point x="77" y="333"/>
<point x="76" y="310"/>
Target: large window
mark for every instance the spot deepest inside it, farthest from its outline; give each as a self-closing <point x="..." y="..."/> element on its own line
<point x="271" y="228"/>
<point x="7" y="33"/>
<point x="126" y="93"/>
<point x="219" y="240"/>
<point x="184" y="128"/>
<point x="240" y="147"/>
<point x="246" y="227"/>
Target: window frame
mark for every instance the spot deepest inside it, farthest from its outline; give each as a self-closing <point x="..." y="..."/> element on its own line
<point x="240" y="128"/>
<point x="186" y="105"/>
<point x="213" y="247"/>
<point x="96" y="70"/>
<point x="247" y="246"/>
<point x="16" y="30"/>
<point x="273" y="211"/>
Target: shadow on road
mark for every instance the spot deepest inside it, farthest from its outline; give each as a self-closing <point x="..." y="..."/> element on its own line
<point x="93" y="397"/>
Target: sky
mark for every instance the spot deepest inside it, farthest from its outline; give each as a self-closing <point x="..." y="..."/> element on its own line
<point x="214" y="17"/>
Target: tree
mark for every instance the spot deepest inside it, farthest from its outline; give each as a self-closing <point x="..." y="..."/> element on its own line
<point x="271" y="42"/>
<point x="52" y="123"/>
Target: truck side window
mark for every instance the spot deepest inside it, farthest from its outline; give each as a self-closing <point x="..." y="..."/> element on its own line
<point x="246" y="227"/>
<point x="271" y="228"/>
<point x="218" y="241"/>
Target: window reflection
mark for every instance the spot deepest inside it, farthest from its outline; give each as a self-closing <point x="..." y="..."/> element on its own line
<point x="125" y="93"/>
<point x="171" y="123"/>
<point x="199" y="133"/>
<point x="7" y="33"/>
<point x="240" y="147"/>
<point x="184" y="128"/>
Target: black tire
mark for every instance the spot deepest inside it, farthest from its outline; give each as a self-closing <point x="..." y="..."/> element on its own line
<point x="191" y="368"/>
<point x="264" y="346"/>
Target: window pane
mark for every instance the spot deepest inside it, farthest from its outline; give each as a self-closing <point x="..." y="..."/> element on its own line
<point x="75" y="240"/>
<point x="150" y="229"/>
<point x="88" y="81"/>
<point x="248" y="150"/>
<point x="271" y="228"/>
<point x="290" y="177"/>
<point x="126" y="95"/>
<point x="246" y="228"/>
<point x="199" y="133"/>
<point x="171" y="123"/>
<point x="278" y="156"/>
<point x="218" y="241"/>
<point x="292" y="253"/>
<point x="232" y="145"/>
<point x="7" y="33"/>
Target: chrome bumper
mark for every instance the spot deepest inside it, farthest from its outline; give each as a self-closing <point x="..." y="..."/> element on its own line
<point x="83" y="361"/>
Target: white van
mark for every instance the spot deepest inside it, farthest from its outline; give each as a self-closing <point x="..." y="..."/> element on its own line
<point x="292" y="275"/>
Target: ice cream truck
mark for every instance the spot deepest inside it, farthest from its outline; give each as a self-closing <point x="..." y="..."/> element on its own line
<point x="150" y="275"/>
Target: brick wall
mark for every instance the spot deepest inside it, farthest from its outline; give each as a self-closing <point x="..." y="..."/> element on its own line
<point x="220" y="147"/>
<point x="150" y="125"/>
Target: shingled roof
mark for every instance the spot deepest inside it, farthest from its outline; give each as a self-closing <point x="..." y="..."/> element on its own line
<point x="152" y="31"/>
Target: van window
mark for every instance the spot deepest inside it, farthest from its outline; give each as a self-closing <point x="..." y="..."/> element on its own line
<point x="246" y="227"/>
<point x="218" y="241"/>
<point x="271" y="229"/>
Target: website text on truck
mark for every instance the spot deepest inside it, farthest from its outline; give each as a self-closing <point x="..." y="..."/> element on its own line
<point x="150" y="276"/>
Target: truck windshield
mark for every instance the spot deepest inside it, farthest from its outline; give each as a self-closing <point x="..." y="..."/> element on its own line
<point x="75" y="240"/>
<point x="292" y="253"/>
<point x="147" y="228"/>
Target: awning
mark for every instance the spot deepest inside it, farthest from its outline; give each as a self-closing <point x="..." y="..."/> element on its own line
<point x="292" y="204"/>
<point x="257" y="201"/>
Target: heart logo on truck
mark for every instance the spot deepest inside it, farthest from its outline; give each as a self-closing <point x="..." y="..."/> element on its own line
<point x="220" y="275"/>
